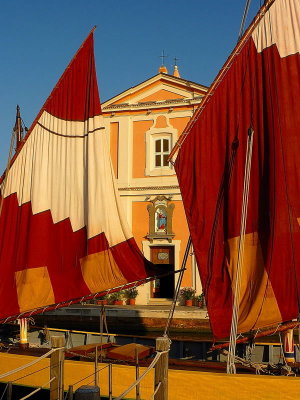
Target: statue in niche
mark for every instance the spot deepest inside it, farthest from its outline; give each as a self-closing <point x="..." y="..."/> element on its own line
<point x="160" y="219"/>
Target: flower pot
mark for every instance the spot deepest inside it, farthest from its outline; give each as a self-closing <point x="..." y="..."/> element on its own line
<point x="118" y="302"/>
<point x="102" y="302"/>
<point x="201" y="304"/>
<point x="131" y="302"/>
<point x="188" y="302"/>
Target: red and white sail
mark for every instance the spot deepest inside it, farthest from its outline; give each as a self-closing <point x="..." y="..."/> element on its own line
<point x="258" y="88"/>
<point x="62" y="232"/>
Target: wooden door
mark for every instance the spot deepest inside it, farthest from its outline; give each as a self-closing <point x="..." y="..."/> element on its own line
<point x="164" y="256"/>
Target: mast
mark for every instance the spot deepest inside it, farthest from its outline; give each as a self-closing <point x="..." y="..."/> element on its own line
<point x="18" y="129"/>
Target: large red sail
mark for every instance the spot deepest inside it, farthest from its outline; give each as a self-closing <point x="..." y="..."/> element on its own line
<point x="62" y="232"/>
<point x="258" y="88"/>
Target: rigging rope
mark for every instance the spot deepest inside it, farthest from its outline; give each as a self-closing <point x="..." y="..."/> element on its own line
<point x="238" y="275"/>
<point x="146" y="372"/>
<point x="246" y="10"/>
<point x="156" y="390"/>
<point x="5" y="389"/>
<point x="178" y="285"/>
<point x="87" y="376"/>
<point x="38" y="389"/>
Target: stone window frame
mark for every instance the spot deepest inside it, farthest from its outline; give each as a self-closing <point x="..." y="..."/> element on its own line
<point x="152" y="135"/>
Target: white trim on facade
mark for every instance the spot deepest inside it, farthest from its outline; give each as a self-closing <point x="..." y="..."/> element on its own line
<point x="153" y="134"/>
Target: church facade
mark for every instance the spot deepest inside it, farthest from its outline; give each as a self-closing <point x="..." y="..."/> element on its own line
<point x="144" y="123"/>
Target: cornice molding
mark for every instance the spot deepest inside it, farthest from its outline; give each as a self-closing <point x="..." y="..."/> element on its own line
<point x="140" y="188"/>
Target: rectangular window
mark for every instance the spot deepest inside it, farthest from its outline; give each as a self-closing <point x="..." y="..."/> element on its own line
<point x="162" y="151"/>
<point x="158" y="146"/>
<point x="158" y="161"/>
<point x="166" y="145"/>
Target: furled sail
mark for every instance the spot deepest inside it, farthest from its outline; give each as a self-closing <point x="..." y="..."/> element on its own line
<point x="257" y="90"/>
<point x="62" y="232"/>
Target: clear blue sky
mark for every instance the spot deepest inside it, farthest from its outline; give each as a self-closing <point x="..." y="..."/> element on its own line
<point x="38" y="38"/>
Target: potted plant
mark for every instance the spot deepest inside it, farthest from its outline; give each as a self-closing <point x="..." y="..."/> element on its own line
<point x="116" y="298"/>
<point x="187" y="294"/>
<point x="200" y="300"/>
<point x="102" y="300"/>
<point x="130" y="295"/>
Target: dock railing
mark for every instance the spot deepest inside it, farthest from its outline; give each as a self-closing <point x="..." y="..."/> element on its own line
<point x="160" y="363"/>
<point x="56" y="374"/>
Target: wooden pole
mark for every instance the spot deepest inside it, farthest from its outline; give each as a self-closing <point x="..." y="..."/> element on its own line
<point x="70" y="395"/>
<point x="137" y="375"/>
<point x="96" y="366"/>
<point x="57" y="368"/>
<point x="101" y="329"/>
<point x="161" y="369"/>
<point x="110" y="381"/>
<point x="9" y="391"/>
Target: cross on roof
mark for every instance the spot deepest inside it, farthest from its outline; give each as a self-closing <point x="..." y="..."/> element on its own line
<point x="163" y="56"/>
<point x="175" y="60"/>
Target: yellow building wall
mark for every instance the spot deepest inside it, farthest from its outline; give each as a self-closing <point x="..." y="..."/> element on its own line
<point x="139" y="125"/>
<point x="139" y="148"/>
<point x="140" y="228"/>
<point x="179" y="123"/>
<point x="180" y="228"/>
<point x="140" y="221"/>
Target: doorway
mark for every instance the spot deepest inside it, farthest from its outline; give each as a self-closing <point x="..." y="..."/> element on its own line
<point x="163" y="287"/>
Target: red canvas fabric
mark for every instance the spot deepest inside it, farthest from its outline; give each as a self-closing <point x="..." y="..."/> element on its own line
<point x="60" y="205"/>
<point x="260" y="90"/>
<point x="76" y="97"/>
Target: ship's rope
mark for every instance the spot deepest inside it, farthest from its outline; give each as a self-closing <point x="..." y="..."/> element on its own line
<point x="244" y="17"/>
<point x="4" y="391"/>
<point x="29" y="364"/>
<point x="146" y="372"/>
<point x="38" y="389"/>
<point x="32" y="373"/>
<point x="93" y="373"/>
<point x="178" y="285"/>
<point x="156" y="390"/>
<point x="259" y="367"/>
<point x="238" y="275"/>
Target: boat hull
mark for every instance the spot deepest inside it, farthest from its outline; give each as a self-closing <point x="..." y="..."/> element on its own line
<point x="182" y="384"/>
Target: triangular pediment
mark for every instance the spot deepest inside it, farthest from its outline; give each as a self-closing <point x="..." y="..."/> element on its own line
<point x="162" y="94"/>
<point x="160" y="88"/>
